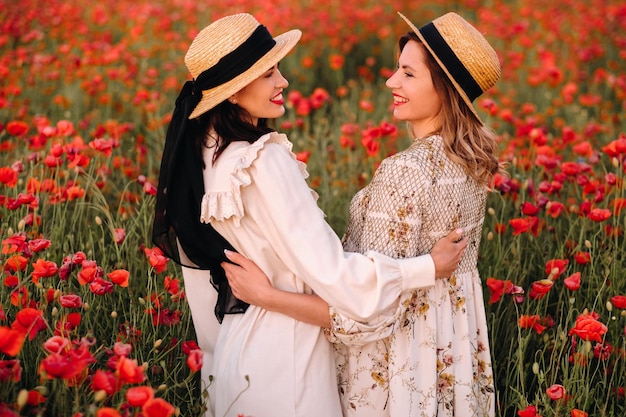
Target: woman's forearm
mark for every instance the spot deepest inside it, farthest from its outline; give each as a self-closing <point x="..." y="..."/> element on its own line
<point x="308" y="308"/>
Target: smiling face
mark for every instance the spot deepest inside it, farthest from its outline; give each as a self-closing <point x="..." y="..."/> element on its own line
<point x="263" y="97"/>
<point x="415" y="99"/>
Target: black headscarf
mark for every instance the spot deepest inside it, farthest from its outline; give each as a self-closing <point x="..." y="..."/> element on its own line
<point x="181" y="184"/>
<point x="178" y="201"/>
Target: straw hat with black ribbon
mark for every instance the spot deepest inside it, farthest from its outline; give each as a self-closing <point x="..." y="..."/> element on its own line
<point x="463" y="53"/>
<point x="223" y="58"/>
<point x="231" y="53"/>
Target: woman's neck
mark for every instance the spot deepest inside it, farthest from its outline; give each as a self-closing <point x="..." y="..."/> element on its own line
<point x="425" y="129"/>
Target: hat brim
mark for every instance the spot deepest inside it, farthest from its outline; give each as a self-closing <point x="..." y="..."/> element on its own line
<point x="211" y="98"/>
<point x="443" y="67"/>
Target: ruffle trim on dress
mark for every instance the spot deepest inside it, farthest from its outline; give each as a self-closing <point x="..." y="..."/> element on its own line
<point x="226" y="204"/>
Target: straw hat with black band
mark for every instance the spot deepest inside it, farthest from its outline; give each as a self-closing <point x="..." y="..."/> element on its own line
<point x="223" y="58"/>
<point x="463" y="53"/>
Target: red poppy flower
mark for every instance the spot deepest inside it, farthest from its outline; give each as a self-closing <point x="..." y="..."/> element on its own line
<point x="105" y="146"/>
<point x="119" y="277"/>
<point x="583" y="149"/>
<point x="71" y="301"/>
<point x="618" y="205"/>
<point x="57" y="365"/>
<point x="35" y="398"/>
<point x="43" y="269"/>
<point x="165" y="317"/>
<point x="602" y="351"/>
<point x="372" y="147"/>
<point x="16" y="263"/>
<point x="556" y="392"/>
<point x="318" y="97"/>
<point x="156" y="259"/>
<point x="539" y="289"/>
<point x="587" y="327"/>
<point x="555" y="208"/>
<point x="525" y="224"/>
<point x="57" y="344"/>
<point x="37" y="245"/>
<point x="555" y="267"/>
<point x="105" y="381"/>
<point x="107" y="412"/>
<point x="582" y="258"/>
<point x="572" y="282"/>
<point x="388" y="129"/>
<point x="87" y="274"/>
<point x="74" y="192"/>
<point x="11" y="281"/>
<point x="188" y="346"/>
<point x="529" y="209"/>
<point x="11" y="341"/>
<point x="8" y="176"/>
<point x="171" y="285"/>
<point x="616" y="147"/>
<point x="158" y="407"/>
<point x="101" y="286"/>
<point x="138" y="396"/>
<point x="149" y="188"/>
<point x="599" y="215"/>
<point x="15" y="243"/>
<point x="529" y="411"/>
<point x="129" y="372"/>
<point x="119" y="235"/>
<point x="531" y="322"/>
<point x="122" y="349"/>
<point x="336" y="61"/>
<point x="20" y="297"/>
<point x="570" y="168"/>
<point x="195" y="360"/>
<point x="497" y="288"/>
<point x="619" y="301"/>
<point x="29" y="321"/>
<point x="17" y="128"/>
<point x="303" y="156"/>
<point x="67" y="324"/>
<point x="10" y="371"/>
<point x="579" y="413"/>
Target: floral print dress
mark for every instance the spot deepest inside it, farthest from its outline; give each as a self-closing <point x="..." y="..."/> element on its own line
<point x="430" y="356"/>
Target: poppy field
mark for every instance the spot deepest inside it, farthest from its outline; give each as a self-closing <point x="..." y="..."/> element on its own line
<point x="93" y="317"/>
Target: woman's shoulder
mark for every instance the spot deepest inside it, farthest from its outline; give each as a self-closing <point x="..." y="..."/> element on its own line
<point x="421" y="152"/>
<point x="241" y="155"/>
<point x="235" y="169"/>
<point x="276" y="148"/>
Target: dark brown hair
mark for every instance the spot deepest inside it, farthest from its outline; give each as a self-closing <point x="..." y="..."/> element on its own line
<point x="230" y="123"/>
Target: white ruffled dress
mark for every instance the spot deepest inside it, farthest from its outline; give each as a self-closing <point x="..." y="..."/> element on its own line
<point x="265" y="364"/>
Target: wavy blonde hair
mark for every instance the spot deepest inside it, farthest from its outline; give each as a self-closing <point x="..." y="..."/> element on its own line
<point x="466" y="140"/>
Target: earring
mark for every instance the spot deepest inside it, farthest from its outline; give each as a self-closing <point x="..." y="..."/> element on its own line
<point x="233" y="100"/>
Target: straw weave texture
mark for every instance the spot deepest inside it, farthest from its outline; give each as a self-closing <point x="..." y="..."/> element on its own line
<point x="222" y="37"/>
<point x="470" y="47"/>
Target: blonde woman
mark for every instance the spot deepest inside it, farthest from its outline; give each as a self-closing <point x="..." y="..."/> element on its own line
<point x="431" y="355"/>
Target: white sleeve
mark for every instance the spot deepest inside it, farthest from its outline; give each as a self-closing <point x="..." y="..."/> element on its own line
<point x="201" y="297"/>
<point x="356" y="285"/>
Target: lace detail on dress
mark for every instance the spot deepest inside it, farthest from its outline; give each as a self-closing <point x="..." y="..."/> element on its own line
<point x="226" y="204"/>
<point x="431" y="355"/>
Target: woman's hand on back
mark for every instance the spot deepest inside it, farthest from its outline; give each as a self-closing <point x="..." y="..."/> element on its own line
<point x="447" y="253"/>
<point x="247" y="281"/>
